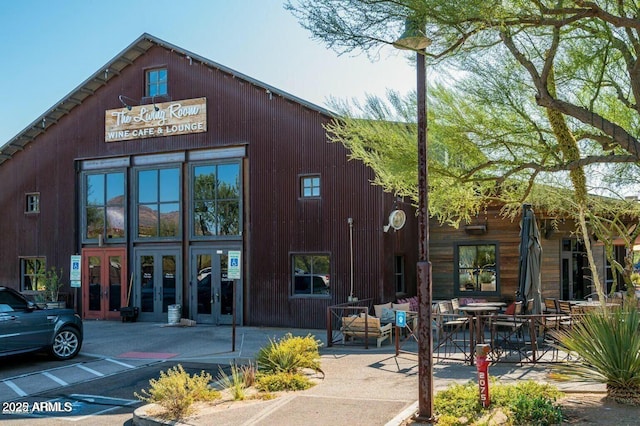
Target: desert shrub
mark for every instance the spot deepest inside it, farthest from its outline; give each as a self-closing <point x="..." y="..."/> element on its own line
<point x="234" y="382"/>
<point x="248" y="372"/>
<point x="282" y="381"/>
<point x="290" y="354"/>
<point x="176" y="391"/>
<point x="536" y="410"/>
<point x="607" y="343"/>
<point x="525" y="402"/>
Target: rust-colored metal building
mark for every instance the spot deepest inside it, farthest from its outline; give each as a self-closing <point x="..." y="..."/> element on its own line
<point x="186" y="186"/>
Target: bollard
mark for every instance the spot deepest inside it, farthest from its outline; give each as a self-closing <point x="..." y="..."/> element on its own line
<point x="482" y="365"/>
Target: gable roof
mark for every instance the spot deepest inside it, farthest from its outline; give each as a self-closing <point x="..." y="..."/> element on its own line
<point x="112" y="69"/>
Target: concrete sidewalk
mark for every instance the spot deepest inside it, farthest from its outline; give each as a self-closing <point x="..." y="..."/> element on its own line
<point x="361" y="386"/>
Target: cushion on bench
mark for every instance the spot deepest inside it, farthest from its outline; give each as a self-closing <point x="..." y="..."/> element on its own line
<point x="355" y="327"/>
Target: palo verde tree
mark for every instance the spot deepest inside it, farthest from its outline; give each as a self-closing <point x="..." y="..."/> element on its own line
<point x="544" y="94"/>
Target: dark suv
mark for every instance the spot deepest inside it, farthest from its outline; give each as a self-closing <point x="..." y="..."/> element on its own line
<point x="24" y="327"/>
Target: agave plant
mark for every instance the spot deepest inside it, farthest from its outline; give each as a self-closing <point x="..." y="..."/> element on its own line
<point x="607" y="344"/>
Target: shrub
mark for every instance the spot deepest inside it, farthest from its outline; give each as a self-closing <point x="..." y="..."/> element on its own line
<point x="523" y="403"/>
<point x="535" y="410"/>
<point x="290" y="354"/>
<point x="241" y="378"/>
<point x="282" y="381"/>
<point x="607" y="343"/>
<point x="176" y="391"/>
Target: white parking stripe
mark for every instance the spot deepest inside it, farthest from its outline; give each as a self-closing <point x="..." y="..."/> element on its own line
<point x="15" y="388"/>
<point x="91" y="370"/>
<point x="124" y="364"/>
<point x="58" y="380"/>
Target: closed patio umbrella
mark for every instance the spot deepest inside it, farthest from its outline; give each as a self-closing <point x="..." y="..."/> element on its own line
<point x="529" y="282"/>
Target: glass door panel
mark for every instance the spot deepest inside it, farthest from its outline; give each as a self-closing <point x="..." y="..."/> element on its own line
<point x="115" y="283"/>
<point x="159" y="273"/>
<point x="212" y="293"/>
<point x="168" y="282"/>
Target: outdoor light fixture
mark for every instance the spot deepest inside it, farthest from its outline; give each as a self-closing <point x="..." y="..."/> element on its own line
<point x="414" y="38"/>
<point x="153" y="100"/>
<point x="124" y="103"/>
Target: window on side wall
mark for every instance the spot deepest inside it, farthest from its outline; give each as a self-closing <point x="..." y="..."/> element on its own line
<point x="310" y="186"/>
<point x="399" y="275"/>
<point x="156" y="82"/>
<point x="32" y="273"/>
<point x="311" y="276"/>
<point x="477" y="268"/>
<point x="32" y="202"/>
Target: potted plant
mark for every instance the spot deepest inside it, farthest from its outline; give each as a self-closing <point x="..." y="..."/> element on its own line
<point x="52" y="285"/>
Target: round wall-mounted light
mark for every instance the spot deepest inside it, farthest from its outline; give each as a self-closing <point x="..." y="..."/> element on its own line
<point x="397" y="219"/>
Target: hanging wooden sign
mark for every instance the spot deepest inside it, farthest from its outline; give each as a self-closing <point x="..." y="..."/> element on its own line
<point x="156" y="120"/>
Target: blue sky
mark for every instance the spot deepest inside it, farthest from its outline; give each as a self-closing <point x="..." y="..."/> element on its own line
<point x="50" y="47"/>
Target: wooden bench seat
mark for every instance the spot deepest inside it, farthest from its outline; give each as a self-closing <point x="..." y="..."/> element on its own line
<point x="354" y="327"/>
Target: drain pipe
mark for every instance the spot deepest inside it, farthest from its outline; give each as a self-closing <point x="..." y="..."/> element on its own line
<point x="350" y="222"/>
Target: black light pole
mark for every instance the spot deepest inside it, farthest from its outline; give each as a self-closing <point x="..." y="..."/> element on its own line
<point x="414" y="38"/>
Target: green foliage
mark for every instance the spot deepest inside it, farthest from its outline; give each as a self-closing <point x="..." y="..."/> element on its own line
<point x="525" y="402"/>
<point x="52" y="283"/>
<point x="235" y="382"/>
<point x="535" y="410"/>
<point x="607" y="345"/>
<point x="290" y="354"/>
<point x="282" y="381"/>
<point x="176" y="391"/>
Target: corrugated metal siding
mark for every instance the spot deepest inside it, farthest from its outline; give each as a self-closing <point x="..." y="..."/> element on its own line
<point x="284" y="139"/>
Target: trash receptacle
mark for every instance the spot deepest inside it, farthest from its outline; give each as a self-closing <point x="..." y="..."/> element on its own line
<point x="174" y="314"/>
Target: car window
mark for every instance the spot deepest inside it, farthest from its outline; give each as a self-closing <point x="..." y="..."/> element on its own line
<point x="15" y="302"/>
<point x="5" y="308"/>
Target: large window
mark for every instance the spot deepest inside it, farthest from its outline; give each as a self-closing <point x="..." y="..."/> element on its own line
<point x="156" y="82"/>
<point x="311" y="276"/>
<point x="477" y="268"/>
<point x="159" y="203"/>
<point x="104" y="203"/>
<point x="216" y="200"/>
<point x="32" y="273"/>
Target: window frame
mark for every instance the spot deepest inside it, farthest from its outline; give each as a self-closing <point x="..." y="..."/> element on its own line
<point x="156" y="83"/>
<point x="136" y="203"/>
<point x="36" y="275"/>
<point x="31" y="206"/>
<point x="294" y="273"/>
<point x="400" y="279"/>
<point x="306" y="177"/>
<point x="192" y="200"/>
<point x="456" y="269"/>
<point x="85" y="205"/>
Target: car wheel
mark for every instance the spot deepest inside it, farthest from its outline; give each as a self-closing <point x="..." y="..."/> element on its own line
<point x="66" y="343"/>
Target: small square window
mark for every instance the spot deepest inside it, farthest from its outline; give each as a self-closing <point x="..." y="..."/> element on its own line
<point x="157" y="82"/>
<point x="32" y="203"/>
<point x="310" y="186"/>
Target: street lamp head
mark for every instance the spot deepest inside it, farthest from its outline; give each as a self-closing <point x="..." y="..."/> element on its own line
<point x="414" y="37"/>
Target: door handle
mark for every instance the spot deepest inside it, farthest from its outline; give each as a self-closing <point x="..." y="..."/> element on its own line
<point x="217" y="297"/>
